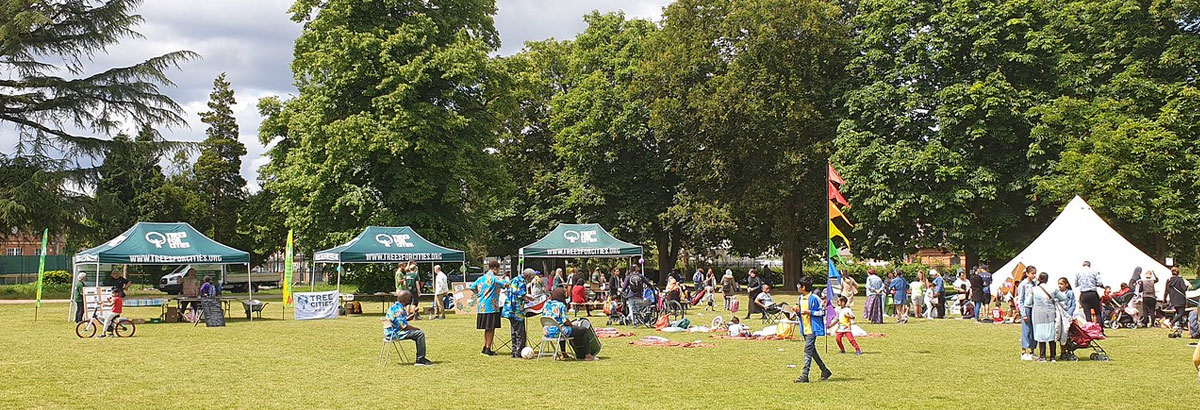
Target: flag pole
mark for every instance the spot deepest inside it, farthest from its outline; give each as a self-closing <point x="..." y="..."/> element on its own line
<point x="828" y="258"/>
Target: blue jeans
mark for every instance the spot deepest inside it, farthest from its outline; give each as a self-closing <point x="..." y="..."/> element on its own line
<point x="1026" y="329"/>
<point x="978" y="311"/>
<point x="810" y="354"/>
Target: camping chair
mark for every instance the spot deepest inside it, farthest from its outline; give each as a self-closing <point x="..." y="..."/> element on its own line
<point x="385" y="354"/>
<point x="551" y="341"/>
<point x="773" y="313"/>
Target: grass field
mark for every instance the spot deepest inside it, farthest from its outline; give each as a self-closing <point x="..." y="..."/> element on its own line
<point x="277" y="364"/>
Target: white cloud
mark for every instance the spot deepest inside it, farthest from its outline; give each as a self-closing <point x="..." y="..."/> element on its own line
<point x="251" y="41"/>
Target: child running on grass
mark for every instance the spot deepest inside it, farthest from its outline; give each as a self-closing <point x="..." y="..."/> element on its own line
<point x="845" y="319"/>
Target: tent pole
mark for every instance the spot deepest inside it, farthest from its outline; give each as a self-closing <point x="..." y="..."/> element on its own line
<point x="339" y="280"/>
<point x="312" y="277"/>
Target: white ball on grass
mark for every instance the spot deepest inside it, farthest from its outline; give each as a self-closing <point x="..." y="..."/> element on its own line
<point x="527" y="352"/>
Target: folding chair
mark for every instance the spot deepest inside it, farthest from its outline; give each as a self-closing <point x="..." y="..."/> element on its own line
<point x="552" y="341"/>
<point x="385" y="354"/>
<point x="774" y="313"/>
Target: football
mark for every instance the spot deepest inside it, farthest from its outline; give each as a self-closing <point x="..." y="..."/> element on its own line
<point x="527" y="352"/>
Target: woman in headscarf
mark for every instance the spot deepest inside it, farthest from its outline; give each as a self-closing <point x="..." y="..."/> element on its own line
<point x="1145" y="287"/>
<point x="1047" y="327"/>
<point x="728" y="287"/>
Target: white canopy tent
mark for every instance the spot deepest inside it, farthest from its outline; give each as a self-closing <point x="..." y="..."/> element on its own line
<point x="1078" y="235"/>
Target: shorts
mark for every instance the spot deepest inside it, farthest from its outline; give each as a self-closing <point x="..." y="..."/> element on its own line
<point x="487" y="321"/>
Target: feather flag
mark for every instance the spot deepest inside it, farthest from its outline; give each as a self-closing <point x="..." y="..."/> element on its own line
<point x="834" y="254"/>
<point x="41" y="272"/>
<point x="837" y="196"/>
<point x="288" y="269"/>
<point x="834" y="232"/>
<point x="833" y="287"/>
<point x="834" y="177"/>
<point x="835" y="213"/>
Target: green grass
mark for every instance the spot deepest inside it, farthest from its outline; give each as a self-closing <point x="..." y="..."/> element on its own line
<point x="279" y="364"/>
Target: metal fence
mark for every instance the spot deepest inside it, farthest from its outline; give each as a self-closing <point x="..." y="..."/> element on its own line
<point x="23" y="269"/>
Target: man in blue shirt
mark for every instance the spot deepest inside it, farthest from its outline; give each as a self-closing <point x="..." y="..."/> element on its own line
<point x="514" y="309"/>
<point x="812" y="324"/>
<point x="399" y="329"/>
<point x="698" y="279"/>
<point x="939" y="289"/>
<point x="487" y="289"/>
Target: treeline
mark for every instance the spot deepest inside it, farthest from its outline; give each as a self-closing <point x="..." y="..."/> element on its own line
<point x="960" y="125"/>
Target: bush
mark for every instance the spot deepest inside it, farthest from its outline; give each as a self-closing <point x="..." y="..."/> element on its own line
<point x="56" y="277"/>
<point x="370" y="278"/>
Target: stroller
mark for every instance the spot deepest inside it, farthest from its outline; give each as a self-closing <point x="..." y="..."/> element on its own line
<point x="615" y="310"/>
<point x="1123" y="315"/>
<point x="1082" y="337"/>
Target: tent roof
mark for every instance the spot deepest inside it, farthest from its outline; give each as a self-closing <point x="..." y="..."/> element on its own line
<point x="579" y="241"/>
<point x="381" y="244"/>
<point x="1078" y="235"/>
<point x="162" y="243"/>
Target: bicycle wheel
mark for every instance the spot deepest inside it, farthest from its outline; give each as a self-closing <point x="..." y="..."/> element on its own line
<point x="85" y="329"/>
<point x="674" y="310"/>
<point x="124" y="328"/>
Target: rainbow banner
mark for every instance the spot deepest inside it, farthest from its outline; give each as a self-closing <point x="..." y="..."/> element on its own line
<point x="833" y="284"/>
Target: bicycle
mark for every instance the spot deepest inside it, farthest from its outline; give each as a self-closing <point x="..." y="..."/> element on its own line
<point x="121" y="327"/>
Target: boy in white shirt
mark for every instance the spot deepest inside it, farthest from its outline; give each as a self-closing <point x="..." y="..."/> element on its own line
<point x="845" y="326"/>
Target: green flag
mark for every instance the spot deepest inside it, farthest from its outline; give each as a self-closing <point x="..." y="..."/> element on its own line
<point x="287" y="271"/>
<point x="42" y="266"/>
<point x="834" y="254"/>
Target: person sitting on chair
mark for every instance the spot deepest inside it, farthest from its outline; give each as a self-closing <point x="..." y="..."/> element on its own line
<point x="765" y="303"/>
<point x="673" y="291"/>
<point x="556" y="309"/>
<point x="399" y="329"/>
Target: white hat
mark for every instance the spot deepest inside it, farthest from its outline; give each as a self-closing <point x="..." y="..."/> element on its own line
<point x="933" y="272"/>
<point x="728" y="273"/>
<point x="81" y="276"/>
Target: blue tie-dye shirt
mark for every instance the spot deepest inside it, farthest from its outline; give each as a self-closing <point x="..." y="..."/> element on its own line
<point x="399" y="319"/>
<point x="514" y="303"/>
<point x="558" y="311"/>
<point x="487" y="288"/>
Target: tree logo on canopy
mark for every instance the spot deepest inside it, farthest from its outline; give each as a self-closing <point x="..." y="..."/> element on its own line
<point x="174" y="240"/>
<point x="400" y="240"/>
<point x="581" y="237"/>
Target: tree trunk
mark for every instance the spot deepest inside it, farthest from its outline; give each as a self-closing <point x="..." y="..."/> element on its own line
<point x="970" y="259"/>
<point x="793" y="266"/>
<point x="668" y="252"/>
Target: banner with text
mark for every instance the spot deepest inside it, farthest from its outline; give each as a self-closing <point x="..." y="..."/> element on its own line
<point x="316" y="305"/>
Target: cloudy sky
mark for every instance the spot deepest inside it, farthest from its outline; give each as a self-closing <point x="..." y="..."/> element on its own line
<point x="251" y="41"/>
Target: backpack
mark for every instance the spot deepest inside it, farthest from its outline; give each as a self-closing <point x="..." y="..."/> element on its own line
<point x="636" y="284"/>
<point x="649" y="295"/>
<point x="682" y="323"/>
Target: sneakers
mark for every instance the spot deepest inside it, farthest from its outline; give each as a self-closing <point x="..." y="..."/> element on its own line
<point x="842" y="352"/>
<point x="423" y="362"/>
<point x="802" y="379"/>
<point x="487" y="352"/>
<point x="1026" y="356"/>
<point x="826" y="374"/>
<point x="858" y="353"/>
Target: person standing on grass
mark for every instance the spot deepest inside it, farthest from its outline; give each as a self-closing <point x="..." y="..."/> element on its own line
<point x="401" y="271"/>
<point x="987" y="288"/>
<point x="849" y="289"/>
<point x="845" y="327"/>
<point x="412" y="282"/>
<point x="899" y="291"/>
<point x="1177" y="289"/>
<point x="1024" y="302"/>
<point x="1044" y="316"/>
<point x="939" y="294"/>
<point x="917" y="287"/>
<point x="710" y="286"/>
<point x="1088" y="283"/>
<point x="728" y="288"/>
<point x="441" y="288"/>
<point x="812" y="325"/>
<point x="615" y="281"/>
<point x="487" y="319"/>
<point x="189" y="288"/>
<point x="398" y="328"/>
<point x="978" y="299"/>
<point x="77" y="296"/>
<point x="1145" y="287"/>
<point x="698" y="279"/>
<point x="754" y="287"/>
<point x="514" y="310"/>
<point x="873" y="309"/>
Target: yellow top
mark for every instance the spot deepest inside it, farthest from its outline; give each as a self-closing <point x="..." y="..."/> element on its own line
<point x="1196" y="358"/>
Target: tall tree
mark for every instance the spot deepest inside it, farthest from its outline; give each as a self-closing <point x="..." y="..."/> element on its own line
<point x="624" y="174"/>
<point x="44" y="38"/>
<point x="34" y="196"/>
<point x="218" y="171"/>
<point x="392" y="120"/>
<point x="935" y="142"/>
<point x="130" y="170"/>
<point x="750" y="90"/>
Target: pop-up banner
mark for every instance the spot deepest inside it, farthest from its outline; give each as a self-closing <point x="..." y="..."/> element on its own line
<point x="316" y="305"/>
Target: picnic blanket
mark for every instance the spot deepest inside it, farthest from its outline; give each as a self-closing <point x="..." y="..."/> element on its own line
<point x="755" y="338"/>
<point x="610" y="332"/>
<point x="663" y="342"/>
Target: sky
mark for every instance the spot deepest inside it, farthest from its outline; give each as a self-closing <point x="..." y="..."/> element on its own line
<point x="251" y="41"/>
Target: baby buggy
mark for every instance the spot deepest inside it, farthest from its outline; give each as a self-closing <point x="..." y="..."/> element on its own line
<point x="1082" y="337"/>
<point x="615" y="310"/>
<point x="1126" y="314"/>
